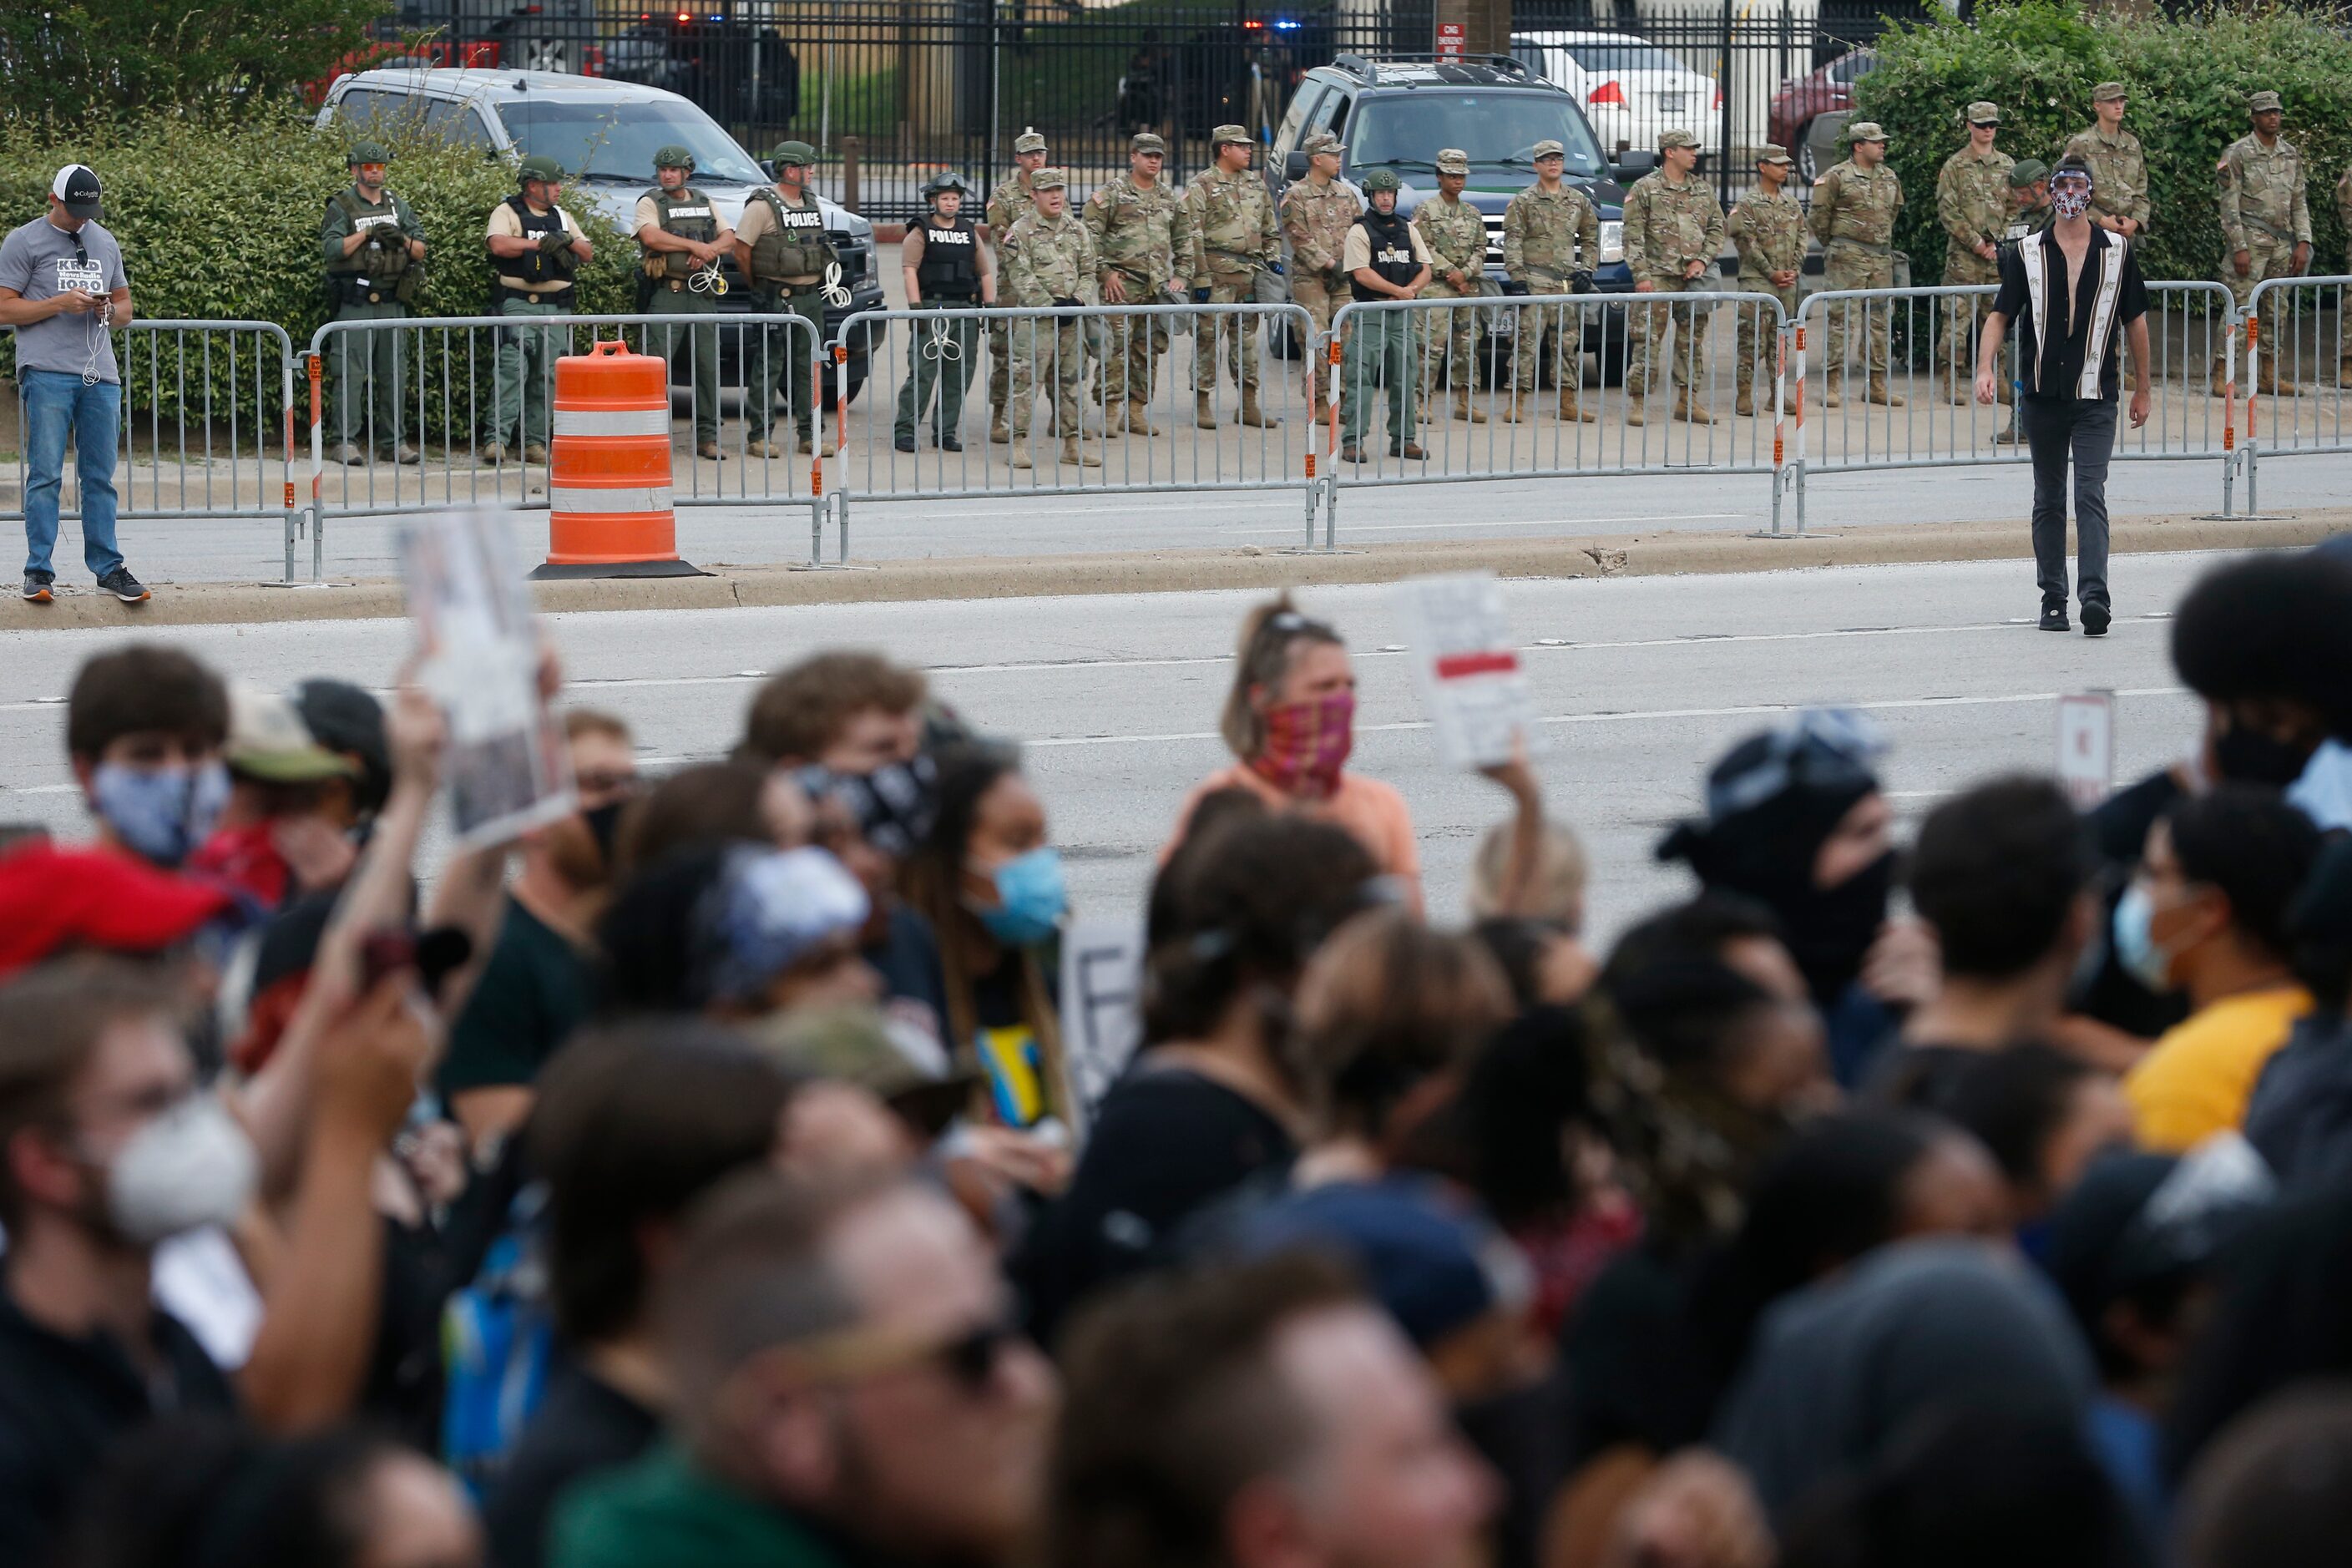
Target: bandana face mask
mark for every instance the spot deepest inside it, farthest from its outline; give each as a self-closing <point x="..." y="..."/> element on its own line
<point x="2072" y="198"/>
<point x="1307" y="745"/>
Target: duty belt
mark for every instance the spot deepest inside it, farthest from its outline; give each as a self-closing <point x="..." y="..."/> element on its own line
<point x="2253" y="222"/>
<point x="1236" y="256"/>
<point x="1863" y="244"/>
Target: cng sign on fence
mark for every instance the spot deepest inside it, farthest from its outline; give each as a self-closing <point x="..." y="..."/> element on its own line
<point x="1450" y="40"/>
<point x="2087" y="747"/>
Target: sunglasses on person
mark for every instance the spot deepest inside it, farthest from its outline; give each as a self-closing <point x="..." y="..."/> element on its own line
<point x="968" y="1356"/>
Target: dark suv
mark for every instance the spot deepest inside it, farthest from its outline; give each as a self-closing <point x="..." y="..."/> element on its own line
<point x="1397" y="113"/>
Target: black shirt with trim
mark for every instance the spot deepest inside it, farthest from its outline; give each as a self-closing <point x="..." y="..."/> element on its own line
<point x="2061" y="358"/>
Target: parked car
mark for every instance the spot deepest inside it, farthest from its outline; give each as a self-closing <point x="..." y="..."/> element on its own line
<point x="1629" y="88"/>
<point x="1826" y="90"/>
<point x="1395" y="114"/>
<point x="740" y="73"/>
<point x="604" y="134"/>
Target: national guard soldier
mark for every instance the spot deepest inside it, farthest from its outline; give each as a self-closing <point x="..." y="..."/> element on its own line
<point x="1854" y="208"/>
<point x="679" y="233"/>
<point x="536" y="249"/>
<point x="1972" y="203"/>
<point x="1008" y="204"/>
<point x="1455" y="234"/>
<point x="1051" y="262"/>
<point x="1385" y="258"/>
<point x="1766" y="227"/>
<point x="1141" y="236"/>
<point x="783" y="251"/>
<point x="1551" y="241"/>
<point x="2118" y="168"/>
<point x="375" y="259"/>
<point x="1674" y="231"/>
<point x="2265" y="221"/>
<point x="2344" y="216"/>
<point x="1317" y="214"/>
<point x="1234" y="236"/>
<point x="947" y="266"/>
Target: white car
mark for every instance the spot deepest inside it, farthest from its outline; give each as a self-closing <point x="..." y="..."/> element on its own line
<point x="1630" y="89"/>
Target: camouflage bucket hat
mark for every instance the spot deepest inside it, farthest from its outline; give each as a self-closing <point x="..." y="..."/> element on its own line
<point x="1864" y="131"/>
<point x="1382" y="180"/>
<point x="673" y="157"/>
<point x="2026" y="170"/>
<point x="2258" y="102"/>
<point x="2108" y="92"/>
<point x="1322" y="142"/>
<point x="540" y="167"/>
<point x="1672" y="139"/>
<point x="1548" y="149"/>
<point x="1983" y="111"/>
<point x="1452" y="161"/>
<point x="1029" y="142"/>
<point x="793" y="154"/>
<point x="1047" y="180"/>
<point x="1148" y="141"/>
<point x="366" y="153"/>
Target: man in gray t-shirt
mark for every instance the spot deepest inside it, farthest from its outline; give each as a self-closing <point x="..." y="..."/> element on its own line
<point x="63" y="290"/>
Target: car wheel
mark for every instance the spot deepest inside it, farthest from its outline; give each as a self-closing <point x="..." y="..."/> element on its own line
<point x="1807" y="166"/>
<point x="856" y="371"/>
<point x="1611" y="355"/>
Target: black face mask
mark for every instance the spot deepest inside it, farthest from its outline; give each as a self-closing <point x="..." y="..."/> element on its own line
<point x="2246" y="755"/>
<point x="604" y="825"/>
<point x="1829" y="929"/>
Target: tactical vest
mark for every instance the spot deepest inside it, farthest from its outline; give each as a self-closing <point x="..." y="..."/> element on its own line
<point x="795" y="246"/>
<point x="369" y="274"/>
<point x="686" y="213"/>
<point x="548" y="273"/>
<point x="951" y="266"/>
<point x="1391" y="238"/>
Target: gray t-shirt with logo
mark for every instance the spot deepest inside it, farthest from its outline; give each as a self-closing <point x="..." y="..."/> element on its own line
<point x="41" y="259"/>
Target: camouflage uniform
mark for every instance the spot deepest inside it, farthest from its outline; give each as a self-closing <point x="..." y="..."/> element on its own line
<point x="1232" y="234"/>
<point x="1315" y="221"/>
<point x="1667" y="227"/>
<point x="2118" y="167"/>
<point x="1853" y="215"/>
<point x="1972" y="203"/>
<point x="1455" y="234"/>
<point x="1769" y="233"/>
<point x="1049" y="260"/>
<point x="2264" y="213"/>
<point x="1548" y="237"/>
<point x="1008" y="204"/>
<point x="2344" y="216"/>
<point x="1139" y="235"/>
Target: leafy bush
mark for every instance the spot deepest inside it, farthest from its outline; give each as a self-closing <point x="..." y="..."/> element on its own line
<point x="67" y="61"/>
<point x="2188" y="78"/>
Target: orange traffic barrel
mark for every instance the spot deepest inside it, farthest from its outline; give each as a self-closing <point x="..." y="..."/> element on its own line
<point x="609" y="475"/>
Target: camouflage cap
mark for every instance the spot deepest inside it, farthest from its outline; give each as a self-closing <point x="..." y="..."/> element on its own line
<point x="1322" y="142"/>
<point x="1452" y="161"/>
<point x="1382" y="180"/>
<point x="1547" y="148"/>
<point x="1773" y="152"/>
<point x="1984" y="112"/>
<point x="1864" y="131"/>
<point x="540" y="167"/>
<point x="367" y="153"/>
<point x="2108" y="92"/>
<point x="1029" y="142"/>
<point x="1148" y="141"/>
<point x="859" y="1045"/>
<point x="1047" y="180"/>
<point x="1225" y="135"/>
<point x="673" y="157"/>
<point x="2025" y="171"/>
<point x="1667" y="139"/>
<point x="2259" y="101"/>
<point x="793" y="154"/>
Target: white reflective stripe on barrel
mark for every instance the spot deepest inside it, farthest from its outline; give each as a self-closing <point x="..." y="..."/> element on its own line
<point x="611" y="421"/>
<point x="629" y="498"/>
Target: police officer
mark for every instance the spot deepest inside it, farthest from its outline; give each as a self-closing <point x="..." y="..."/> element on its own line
<point x="1141" y="233"/>
<point x="947" y="266"/>
<point x="375" y="259"/>
<point x="2265" y="223"/>
<point x="1766" y="227"/>
<point x="1551" y="241"/>
<point x="1386" y="258"/>
<point x="783" y="250"/>
<point x="536" y="249"/>
<point x="1972" y="203"/>
<point x="1674" y="231"/>
<point x="1052" y="262"/>
<point x="1318" y="213"/>
<point x="682" y="239"/>
<point x="2118" y="166"/>
<point x="1008" y="204"/>
<point x="1854" y="208"/>
<point x="1455" y="234"/>
<point x="1233" y="236"/>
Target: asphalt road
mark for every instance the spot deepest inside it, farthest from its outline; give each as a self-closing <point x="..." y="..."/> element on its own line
<point x="1641" y="683"/>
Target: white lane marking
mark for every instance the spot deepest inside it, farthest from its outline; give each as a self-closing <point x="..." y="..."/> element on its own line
<point x="1572" y="523"/>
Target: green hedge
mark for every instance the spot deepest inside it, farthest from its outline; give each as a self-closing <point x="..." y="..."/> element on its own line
<point x="221" y="222"/>
<point x="2189" y="79"/>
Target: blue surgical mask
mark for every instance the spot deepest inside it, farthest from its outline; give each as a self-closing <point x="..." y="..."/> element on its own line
<point x="1030" y="899"/>
<point x="161" y="815"/>
<point x="2135" y="945"/>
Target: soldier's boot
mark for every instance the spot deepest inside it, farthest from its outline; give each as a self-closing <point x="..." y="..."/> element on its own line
<point x="765" y="447"/>
<point x="1077" y="455"/>
<point x="1690" y="412"/>
<point x="1633" y="410"/>
<point x="534" y="451"/>
<point x="1746" y="401"/>
<point x="1466" y="409"/>
<point x="997" y="430"/>
<point x="1957" y="391"/>
<point x="2343" y="370"/>
<point x="1019" y="456"/>
<point x="494" y="453"/>
<point x="1834" y="391"/>
<point x="1572" y="412"/>
<point x="1139" y="419"/>
<point x="2276" y="384"/>
<point x="1881" y="395"/>
<point x="2220" y="386"/>
<point x="1519" y="410"/>
<point x="1205" y="410"/>
<point x="1252" y="415"/>
<point x="1319" y="411"/>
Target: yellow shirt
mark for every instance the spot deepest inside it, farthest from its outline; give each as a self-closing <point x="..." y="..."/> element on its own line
<point x="2197" y="1079"/>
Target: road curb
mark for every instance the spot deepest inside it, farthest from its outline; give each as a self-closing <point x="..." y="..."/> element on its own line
<point x="1179" y="571"/>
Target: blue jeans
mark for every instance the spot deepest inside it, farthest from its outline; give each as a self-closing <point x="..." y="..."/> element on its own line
<point x="58" y="404"/>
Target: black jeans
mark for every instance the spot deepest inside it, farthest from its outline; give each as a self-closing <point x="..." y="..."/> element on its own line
<point x="2057" y="428"/>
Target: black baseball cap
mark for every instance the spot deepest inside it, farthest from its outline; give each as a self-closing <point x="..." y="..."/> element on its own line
<point x="77" y="186"/>
<point x="348" y="720"/>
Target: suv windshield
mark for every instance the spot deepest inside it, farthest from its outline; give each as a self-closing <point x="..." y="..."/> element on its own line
<point x="1497" y="129"/>
<point x="617" y="141"/>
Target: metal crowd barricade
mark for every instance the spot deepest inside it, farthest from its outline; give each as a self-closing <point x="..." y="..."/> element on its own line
<point x="448" y="408"/>
<point x="1107" y="359"/>
<point x="202" y="403"/>
<point x="1931" y="337"/>
<point x="2297" y="342"/>
<point x="1609" y="431"/>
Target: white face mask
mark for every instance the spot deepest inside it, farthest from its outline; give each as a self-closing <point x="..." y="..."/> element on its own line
<point x="190" y="1168"/>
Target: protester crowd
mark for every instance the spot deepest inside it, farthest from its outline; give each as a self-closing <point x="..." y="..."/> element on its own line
<point x="703" y="1178"/>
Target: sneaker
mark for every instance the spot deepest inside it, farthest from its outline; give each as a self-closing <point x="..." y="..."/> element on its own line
<point x="2053" y="618"/>
<point x="37" y="588"/>
<point x="2095" y="620"/>
<point x="124" y="586"/>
